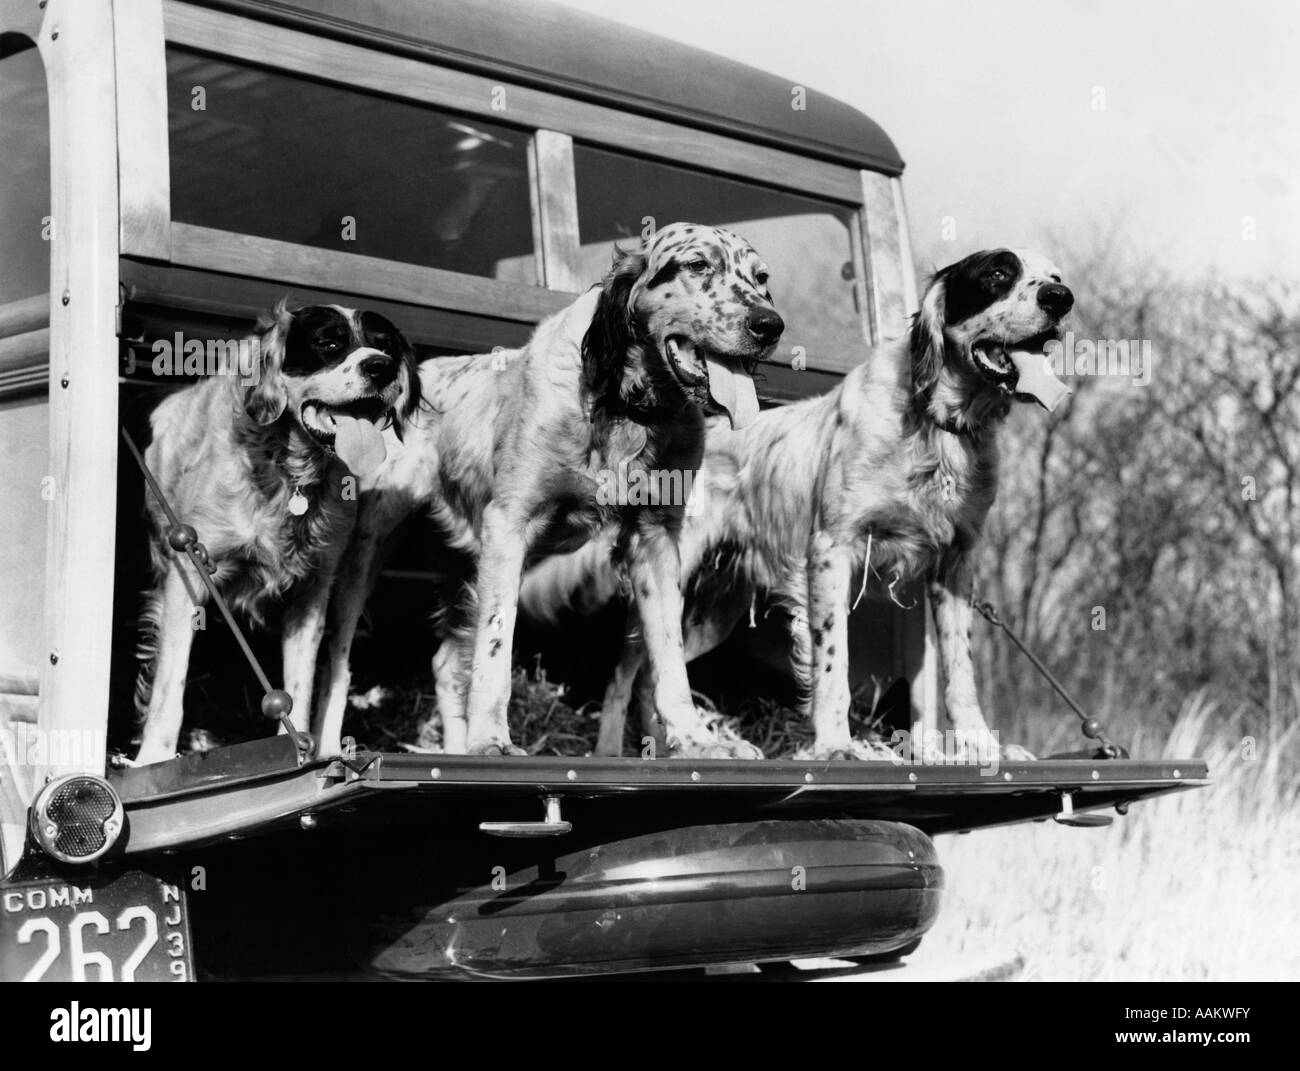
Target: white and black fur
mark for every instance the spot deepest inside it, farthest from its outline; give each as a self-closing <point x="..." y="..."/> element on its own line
<point x="509" y="458"/>
<point x="230" y="453"/>
<point x="894" y="470"/>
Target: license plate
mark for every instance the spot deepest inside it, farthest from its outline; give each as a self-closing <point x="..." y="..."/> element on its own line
<point x="133" y="927"/>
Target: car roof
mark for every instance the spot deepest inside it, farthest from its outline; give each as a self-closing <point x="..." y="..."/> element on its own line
<point x="550" y="47"/>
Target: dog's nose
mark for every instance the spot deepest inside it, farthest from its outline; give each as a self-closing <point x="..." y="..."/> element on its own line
<point x="765" y="325"/>
<point x="379" y="369"/>
<point x="1055" y="299"/>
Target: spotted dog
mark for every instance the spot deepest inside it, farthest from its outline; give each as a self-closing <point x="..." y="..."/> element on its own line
<point x="511" y="459"/>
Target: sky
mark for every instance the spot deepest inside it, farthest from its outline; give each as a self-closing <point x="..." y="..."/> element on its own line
<point x="1174" y="126"/>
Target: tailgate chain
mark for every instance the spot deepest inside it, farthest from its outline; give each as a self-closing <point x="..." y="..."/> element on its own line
<point x="182" y="538"/>
<point x="1091" y="727"/>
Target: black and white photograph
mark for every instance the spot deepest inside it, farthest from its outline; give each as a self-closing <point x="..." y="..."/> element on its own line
<point x="731" y="492"/>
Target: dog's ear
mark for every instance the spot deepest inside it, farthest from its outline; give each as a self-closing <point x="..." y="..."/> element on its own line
<point x="612" y="331"/>
<point x="409" y="366"/>
<point x="265" y="399"/>
<point x="926" y="339"/>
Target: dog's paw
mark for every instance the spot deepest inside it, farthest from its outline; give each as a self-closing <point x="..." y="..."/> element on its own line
<point x="150" y="756"/>
<point x="723" y="745"/>
<point x="856" y="750"/>
<point x="825" y="753"/>
<point x="494" y="749"/>
<point x="1016" y="753"/>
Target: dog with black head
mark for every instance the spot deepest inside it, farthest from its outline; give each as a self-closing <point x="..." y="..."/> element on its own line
<point x="257" y="462"/>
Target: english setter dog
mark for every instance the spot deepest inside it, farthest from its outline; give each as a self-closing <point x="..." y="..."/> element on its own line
<point x="894" y="470"/>
<point x="525" y="451"/>
<point x="256" y="464"/>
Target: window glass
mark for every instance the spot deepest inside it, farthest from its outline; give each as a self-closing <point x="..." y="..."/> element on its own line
<point x="805" y="241"/>
<point x="280" y="156"/>
<point x="24" y="171"/>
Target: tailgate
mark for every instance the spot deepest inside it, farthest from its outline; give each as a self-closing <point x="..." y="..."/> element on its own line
<point x="259" y="786"/>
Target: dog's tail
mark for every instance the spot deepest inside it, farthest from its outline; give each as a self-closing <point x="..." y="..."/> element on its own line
<point x="578" y="584"/>
<point x="146" y="650"/>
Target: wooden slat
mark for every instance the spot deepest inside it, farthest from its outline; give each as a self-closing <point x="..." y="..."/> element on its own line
<point x="286" y="263"/>
<point x="862" y="276"/>
<point x="15" y="797"/>
<point x="18" y="708"/>
<point x="20" y="680"/>
<point x="208" y="294"/>
<point x="884" y="255"/>
<point x="23" y="351"/>
<point x="81" y="528"/>
<point x="26" y="314"/>
<point x="911" y="299"/>
<point x="144" y="170"/>
<point x="555" y="211"/>
<point x="337" y="61"/>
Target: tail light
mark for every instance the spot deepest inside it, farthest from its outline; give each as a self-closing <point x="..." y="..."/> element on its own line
<point x="76" y="818"/>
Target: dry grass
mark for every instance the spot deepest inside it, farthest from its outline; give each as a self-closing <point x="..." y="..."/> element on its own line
<point x="1201" y="885"/>
<point x="543" y="722"/>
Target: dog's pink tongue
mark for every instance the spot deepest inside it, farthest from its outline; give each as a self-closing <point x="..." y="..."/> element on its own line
<point x="734" y="392"/>
<point x="1037" y="379"/>
<point x="359" y="444"/>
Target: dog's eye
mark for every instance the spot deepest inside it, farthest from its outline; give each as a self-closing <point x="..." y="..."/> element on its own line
<point x="699" y="265"/>
<point x="760" y="277"/>
<point x="997" y="275"/>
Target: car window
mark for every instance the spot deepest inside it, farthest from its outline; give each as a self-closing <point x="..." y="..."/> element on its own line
<point x="25" y="227"/>
<point x="805" y="241"/>
<point x="279" y="156"/>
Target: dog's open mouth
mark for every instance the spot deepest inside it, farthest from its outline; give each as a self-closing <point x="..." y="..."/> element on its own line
<point x="352" y="430"/>
<point x="713" y="380"/>
<point x="1022" y="368"/>
<point x="995" y="358"/>
<point x="687" y="364"/>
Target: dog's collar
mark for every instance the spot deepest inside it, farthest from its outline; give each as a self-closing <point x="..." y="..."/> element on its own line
<point x="921" y="407"/>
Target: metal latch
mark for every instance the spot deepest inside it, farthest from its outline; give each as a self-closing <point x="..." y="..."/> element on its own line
<point x="551" y="825"/>
<point x="1070" y="817"/>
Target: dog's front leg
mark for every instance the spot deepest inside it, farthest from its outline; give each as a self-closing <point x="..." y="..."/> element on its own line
<point x="655" y="571"/>
<point x="304" y="628"/>
<point x="162" y="727"/>
<point x="451" y="679"/>
<point x="358" y="572"/>
<point x="830" y="568"/>
<point x="500" y="568"/>
<point x="618" y="693"/>
<point x="950" y="601"/>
